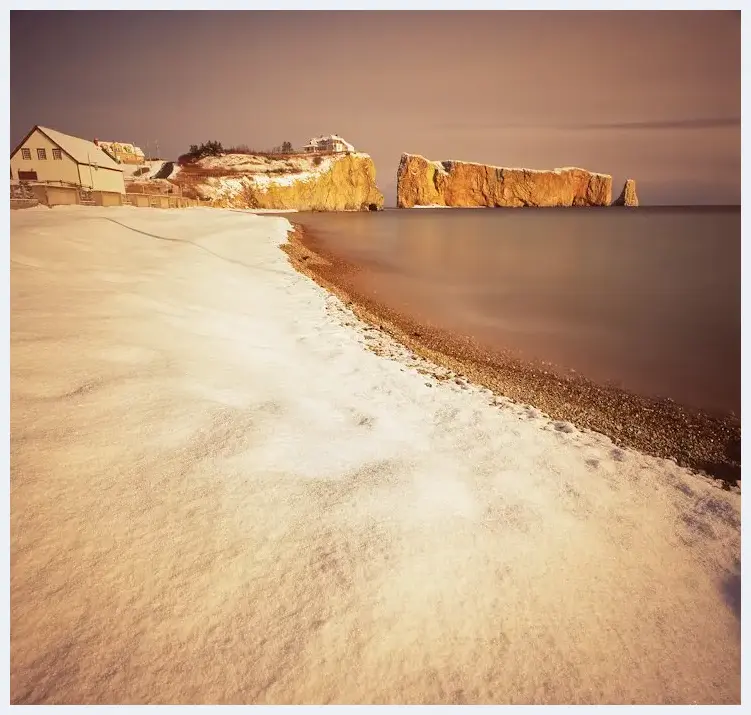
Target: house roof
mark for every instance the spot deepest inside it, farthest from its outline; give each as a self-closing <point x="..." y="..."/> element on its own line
<point x="81" y="150"/>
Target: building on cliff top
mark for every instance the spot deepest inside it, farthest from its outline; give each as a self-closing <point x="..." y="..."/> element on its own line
<point x="330" y="143"/>
<point x="121" y="152"/>
<point x="48" y="156"/>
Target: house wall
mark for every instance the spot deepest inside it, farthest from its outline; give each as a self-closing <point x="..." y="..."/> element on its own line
<point x="61" y="195"/>
<point x="101" y="179"/>
<point x="107" y="198"/>
<point x="64" y="169"/>
<point x="328" y="145"/>
<point x="141" y="200"/>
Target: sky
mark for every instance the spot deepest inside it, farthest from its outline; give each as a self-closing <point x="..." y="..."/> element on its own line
<point x="653" y="96"/>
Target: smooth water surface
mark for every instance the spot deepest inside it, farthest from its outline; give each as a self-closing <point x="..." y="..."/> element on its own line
<point x="647" y="299"/>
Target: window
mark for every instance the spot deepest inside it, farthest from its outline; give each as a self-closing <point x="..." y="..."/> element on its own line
<point x="41" y="154"/>
<point x="26" y="154"/>
<point x="57" y="154"/>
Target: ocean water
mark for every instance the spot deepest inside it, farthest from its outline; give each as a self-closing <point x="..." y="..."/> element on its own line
<point x="647" y="299"/>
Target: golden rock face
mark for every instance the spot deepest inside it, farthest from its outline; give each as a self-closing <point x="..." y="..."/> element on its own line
<point x="628" y="196"/>
<point x="348" y="185"/>
<point x="421" y="182"/>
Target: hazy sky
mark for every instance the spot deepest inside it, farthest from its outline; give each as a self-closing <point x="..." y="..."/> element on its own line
<point x="655" y="96"/>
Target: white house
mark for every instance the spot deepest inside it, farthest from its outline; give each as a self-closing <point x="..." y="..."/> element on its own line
<point x="330" y="143"/>
<point x="46" y="155"/>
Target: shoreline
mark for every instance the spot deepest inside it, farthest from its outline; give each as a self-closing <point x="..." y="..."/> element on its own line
<point x="694" y="439"/>
<point x="209" y="448"/>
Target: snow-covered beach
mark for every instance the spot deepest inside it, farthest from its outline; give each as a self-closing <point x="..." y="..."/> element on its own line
<point x="227" y="489"/>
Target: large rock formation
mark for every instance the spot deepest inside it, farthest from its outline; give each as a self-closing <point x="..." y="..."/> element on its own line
<point x="628" y="196"/>
<point x="343" y="182"/>
<point x="421" y="182"/>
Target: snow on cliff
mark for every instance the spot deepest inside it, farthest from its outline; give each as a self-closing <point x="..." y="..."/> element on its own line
<point x="248" y="170"/>
<point x="445" y="165"/>
<point x="421" y="181"/>
<point x="133" y="171"/>
<point x="247" y="180"/>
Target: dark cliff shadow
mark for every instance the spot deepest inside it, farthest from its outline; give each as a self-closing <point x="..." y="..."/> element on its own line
<point x="731" y="590"/>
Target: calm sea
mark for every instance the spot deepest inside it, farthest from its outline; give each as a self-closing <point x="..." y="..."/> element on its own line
<point x="647" y="299"/>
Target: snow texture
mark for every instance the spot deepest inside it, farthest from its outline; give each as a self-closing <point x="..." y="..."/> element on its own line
<point x="257" y="172"/>
<point x="129" y="170"/>
<point x="227" y="489"/>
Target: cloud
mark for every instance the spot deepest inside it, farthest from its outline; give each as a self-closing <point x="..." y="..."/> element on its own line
<point x="709" y="123"/>
<point x="701" y="123"/>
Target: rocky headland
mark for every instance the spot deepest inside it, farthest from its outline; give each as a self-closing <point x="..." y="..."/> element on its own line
<point x="422" y="182"/>
<point x="336" y="182"/>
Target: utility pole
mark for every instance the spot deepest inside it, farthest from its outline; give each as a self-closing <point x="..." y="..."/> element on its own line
<point x="157" y="148"/>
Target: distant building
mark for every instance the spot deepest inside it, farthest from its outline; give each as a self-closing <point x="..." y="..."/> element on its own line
<point x="330" y="143"/>
<point x="123" y="153"/>
<point x="46" y="155"/>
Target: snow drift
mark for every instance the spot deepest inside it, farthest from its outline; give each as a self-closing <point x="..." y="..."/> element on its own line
<point x="220" y="493"/>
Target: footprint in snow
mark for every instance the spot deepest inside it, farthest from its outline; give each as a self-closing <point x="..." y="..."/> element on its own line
<point x="564" y="427"/>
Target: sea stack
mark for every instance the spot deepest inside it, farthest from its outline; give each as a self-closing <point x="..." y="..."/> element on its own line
<point x="628" y="195"/>
<point x="422" y="182"/>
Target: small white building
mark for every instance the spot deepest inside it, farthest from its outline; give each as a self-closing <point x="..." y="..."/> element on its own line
<point x="330" y="143"/>
<point x="48" y="156"/>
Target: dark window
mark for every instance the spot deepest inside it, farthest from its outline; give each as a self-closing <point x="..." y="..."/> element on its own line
<point x="41" y="154"/>
<point x="57" y="153"/>
<point x="27" y="176"/>
<point x="26" y="154"/>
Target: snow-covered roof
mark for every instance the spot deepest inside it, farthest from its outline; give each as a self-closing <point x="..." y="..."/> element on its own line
<point x="81" y="150"/>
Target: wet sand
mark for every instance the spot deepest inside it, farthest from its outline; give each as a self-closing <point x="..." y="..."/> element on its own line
<point x="693" y="438"/>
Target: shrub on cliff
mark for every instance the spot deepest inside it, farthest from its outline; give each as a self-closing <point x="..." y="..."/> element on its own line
<point x="277" y="152"/>
<point x="196" y="152"/>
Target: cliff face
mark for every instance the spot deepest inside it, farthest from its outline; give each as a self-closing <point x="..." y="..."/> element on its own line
<point x="628" y="196"/>
<point x="335" y="183"/>
<point x="421" y="182"/>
